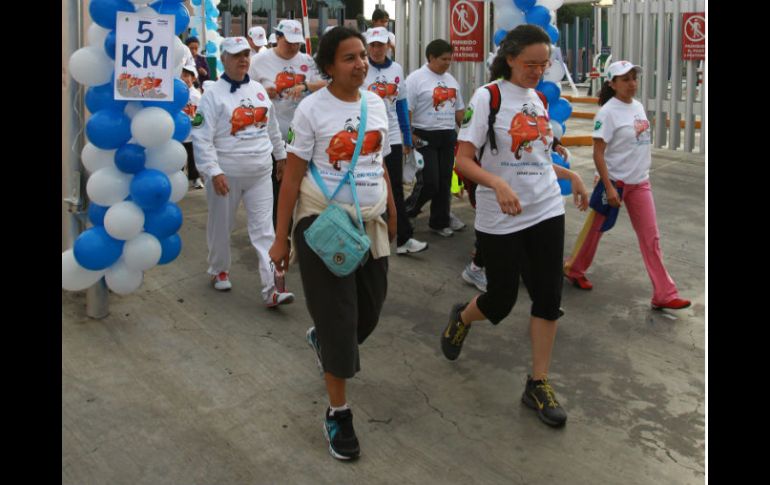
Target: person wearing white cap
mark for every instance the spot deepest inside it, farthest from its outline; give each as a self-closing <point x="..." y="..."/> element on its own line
<point x="189" y="74"/>
<point x="233" y="142"/>
<point x="380" y="18"/>
<point x="623" y="157"/>
<point x="386" y="79"/>
<point x="257" y="39"/>
<point x="272" y="41"/>
<point x="289" y="76"/>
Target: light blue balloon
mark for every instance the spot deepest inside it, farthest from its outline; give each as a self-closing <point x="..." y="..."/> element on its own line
<point x="211" y="47"/>
<point x="163" y="222"/>
<point x="538" y="15"/>
<point x="524" y="5"/>
<point x="104" y="12"/>
<point x="108" y="129"/>
<point x="197" y="3"/>
<point x="182" y="126"/>
<point x="150" y="189"/>
<point x="211" y="24"/>
<point x="181" y="96"/>
<point x="102" y="97"/>
<point x="94" y="249"/>
<point x="170" y="248"/>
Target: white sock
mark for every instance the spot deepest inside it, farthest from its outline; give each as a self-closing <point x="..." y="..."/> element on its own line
<point x="474" y="267"/>
<point x="333" y="410"/>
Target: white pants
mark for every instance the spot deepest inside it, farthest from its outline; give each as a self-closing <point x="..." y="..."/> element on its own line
<point x="257" y="195"/>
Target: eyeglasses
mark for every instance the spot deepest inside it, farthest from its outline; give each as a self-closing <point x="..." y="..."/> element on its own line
<point x="534" y="66"/>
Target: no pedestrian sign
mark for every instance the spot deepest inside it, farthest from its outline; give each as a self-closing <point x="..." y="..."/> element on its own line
<point x="694" y="36"/>
<point x="466" y="31"/>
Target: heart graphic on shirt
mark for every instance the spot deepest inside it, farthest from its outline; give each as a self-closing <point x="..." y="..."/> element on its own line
<point x="343" y="144"/>
<point x="526" y="127"/>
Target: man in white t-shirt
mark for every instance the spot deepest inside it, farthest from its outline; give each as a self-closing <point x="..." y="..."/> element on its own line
<point x="257" y="40"/>
<point x="288" y="76"/>
<point x="380" y="18"/>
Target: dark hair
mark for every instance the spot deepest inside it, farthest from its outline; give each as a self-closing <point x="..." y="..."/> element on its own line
<point x="327" y="48"/>
<point x="514" y="42"/>
<point x="190" y="40"/>
<point x="379" y="14"/>
<point x="437" y="48"/>
<point x="606" y="93"/>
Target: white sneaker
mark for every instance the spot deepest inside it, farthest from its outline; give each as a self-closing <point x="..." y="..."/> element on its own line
<point x="477" y="278"/>
<point x="446" y="232"/>
<point x="276" y="299"/>
<point x="412" y="246"/>
<point x="222" y="281"/>
<point x="455" y="223"/>
<point x="198" y="184"/>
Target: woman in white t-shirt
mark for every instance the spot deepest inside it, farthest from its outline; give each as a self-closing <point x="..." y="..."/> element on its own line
<point x="622" y="156"/>
<point x="519" y="209"/>
<point x="345" y="310"/>
<point x="436" y="107"/>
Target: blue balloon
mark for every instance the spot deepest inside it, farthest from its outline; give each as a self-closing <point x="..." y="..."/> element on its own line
<point x="109" y="44"/>
<point x="102" y="97"/>
<point x="553" y="33"/>
<point x="193" y="32"/>
<point x="559" y="160"/>
<point x="499" y="36"/>
<point x="560" y="110"/>
<point x="130" y="158"/>
<point x="96" y="213"/>
<point x="563" y="127"/>
<point x="524" y="5"/>
<point x="550" y="90"/>
<point x="181" y="96"/>
<point x="182" y="126"/>
<point x="104" y="12"/>
<point x="182" y="17"/>
<point x="109" y="129"/>
<point x="211" y="24"/>
<point x="211" y="48"/>
<point x="170" y="248"/>
<point x="197" y="3"/>
<point x="94" y="249"/>
<point x="163" y="222"/>
<point x="564" y="185"/>
<point x="538" y="15"/>
<point x="150" y="189"/>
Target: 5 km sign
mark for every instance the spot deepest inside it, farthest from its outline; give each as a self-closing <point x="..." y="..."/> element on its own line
<point x="466" y="31"/>
<point x="144" y="51"/>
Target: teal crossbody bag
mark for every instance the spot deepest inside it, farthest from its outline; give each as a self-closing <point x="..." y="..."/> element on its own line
<point x="333" y="236"/>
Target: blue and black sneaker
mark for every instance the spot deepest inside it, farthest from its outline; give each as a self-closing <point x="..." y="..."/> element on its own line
<point x="312" y="341"/>
<point x="338" y="429"/>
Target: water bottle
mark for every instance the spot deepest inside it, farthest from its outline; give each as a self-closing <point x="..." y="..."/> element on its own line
<point x="280" y="281"/>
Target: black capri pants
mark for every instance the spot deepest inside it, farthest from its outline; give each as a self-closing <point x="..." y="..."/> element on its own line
<point x="535" y="253"/>
<point x="345" y="310"/>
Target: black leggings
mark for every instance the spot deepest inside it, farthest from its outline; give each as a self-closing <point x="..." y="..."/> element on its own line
<point x="395" y="165"/>
<point x="536" y="254"/>
<point x="192" y="170"/>
<point x="439" y="157"/>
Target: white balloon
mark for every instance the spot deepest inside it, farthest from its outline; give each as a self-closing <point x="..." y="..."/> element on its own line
<point x="551" y="4"/>
<point x="90" y="66"/>
<point x="147" y="12"/>
<point x="124" y="220"/>
<point x="168" y="158"/>
<point x="178" y="70"/>
<point x="180" y="50"/>
<point x="509" y="18"/>
<point x="555" y="73"/>
<point x="556" y="128"/>
<point x="121" y="279"/>
<point x="75" y="277"/>
<point x="179" y="186"/>
<point x="152" y="127"/>
<point x="142" y="252"/>
<point x="132" y="108"/>
<point x="96" y="35"/>
<point x="95" y="158"/>
<point x="108" y="186"/>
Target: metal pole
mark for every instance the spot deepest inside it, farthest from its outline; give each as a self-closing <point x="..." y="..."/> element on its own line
<point x="248" y="15"/>
<point x="400" y="29"/>
<point x="306" y="27"/>
<point x="414" y="36"/>
<point x="427" y="22"/>
<point x="204" y="29"/>
<point x="576" y="51"/>
<point x="443" y="19"/>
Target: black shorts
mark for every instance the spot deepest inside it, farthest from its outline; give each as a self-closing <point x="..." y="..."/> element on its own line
<point x="344" y="310"/>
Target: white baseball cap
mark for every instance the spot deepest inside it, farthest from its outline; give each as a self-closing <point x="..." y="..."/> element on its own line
<point x="327" y="29"/>
<point x="292" y="30"/>
<point x="258" y="35"/>
<point x="234" y="45"/>
<point x="190" y="66"/>
<point x="621" y="67"/>
<point x="377" y="34"/>
<point x="272" y="39"/>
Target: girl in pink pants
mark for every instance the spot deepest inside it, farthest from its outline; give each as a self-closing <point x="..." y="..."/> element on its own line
<point x="622" y="156"/>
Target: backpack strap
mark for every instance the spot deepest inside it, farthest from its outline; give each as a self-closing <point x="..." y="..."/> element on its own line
<point x="543" y="99"/>
<point x="494" y="108"/>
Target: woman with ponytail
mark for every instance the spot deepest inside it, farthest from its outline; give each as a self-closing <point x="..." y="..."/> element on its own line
<point x="622" y="157"/>
<point x="519" y="209"/>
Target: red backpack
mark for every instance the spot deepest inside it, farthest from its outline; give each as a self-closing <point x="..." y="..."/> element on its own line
<point x="494" y="108"/>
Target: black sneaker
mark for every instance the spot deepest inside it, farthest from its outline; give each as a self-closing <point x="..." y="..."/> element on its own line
<point x="453" y="336"/>
<point x="338" y="429"/>
<point x="539" y="396"/>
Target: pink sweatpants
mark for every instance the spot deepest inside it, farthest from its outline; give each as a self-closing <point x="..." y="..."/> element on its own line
<point x="637" y="198"/>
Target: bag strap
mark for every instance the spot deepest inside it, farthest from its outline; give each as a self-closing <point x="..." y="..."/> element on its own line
<point x="348" y="177"/>
<point x="494" y="108"/>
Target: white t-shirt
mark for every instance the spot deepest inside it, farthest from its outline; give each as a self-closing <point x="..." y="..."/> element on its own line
<point x="433" y="99"/>
<point x="191" y="109"/>
<point x="390" y="85"/>
<point x="273" y="71"/>
<point x="237" y="132"/>
<point x="524" y="139"/>
<point x="625" y="128"/>
<point x="325" y="130"/>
